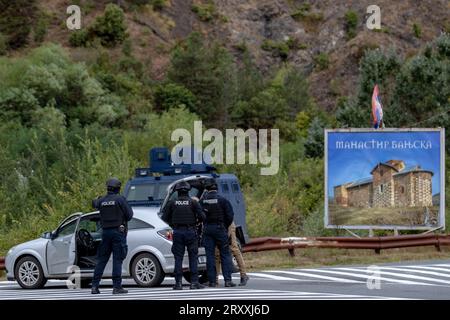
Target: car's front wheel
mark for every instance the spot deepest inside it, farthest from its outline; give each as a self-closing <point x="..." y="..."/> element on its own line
<point x="29" y="273"/>
<point x="146" y="270"/>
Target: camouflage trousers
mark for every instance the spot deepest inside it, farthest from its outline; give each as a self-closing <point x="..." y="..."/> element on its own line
<point x="235" y="251"/>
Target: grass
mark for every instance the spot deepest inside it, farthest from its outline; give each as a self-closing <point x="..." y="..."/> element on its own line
<point x="379" y="216"/>
<point x="313" y="258"/>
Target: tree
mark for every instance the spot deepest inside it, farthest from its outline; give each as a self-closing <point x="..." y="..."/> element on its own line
<point x="314" y="142"/>
<point x="209" y="73"/>
<point x="262" y="111"/>
<point x="16" y="20"/>
<point x="173" y="95"/>
<point x="110" y="27"/>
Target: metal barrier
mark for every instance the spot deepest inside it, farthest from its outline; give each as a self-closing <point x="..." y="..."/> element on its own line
<point x="371" y="243"/>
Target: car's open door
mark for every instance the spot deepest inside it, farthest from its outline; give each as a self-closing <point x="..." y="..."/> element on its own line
<point x="61" y="249"/>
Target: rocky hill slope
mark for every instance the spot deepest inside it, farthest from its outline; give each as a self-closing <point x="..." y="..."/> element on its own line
<point x="325" y="38"/>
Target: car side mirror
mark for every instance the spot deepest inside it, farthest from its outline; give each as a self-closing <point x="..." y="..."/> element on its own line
<point x="47" y="235"/>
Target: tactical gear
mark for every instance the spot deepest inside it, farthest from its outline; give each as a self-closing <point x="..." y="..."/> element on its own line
<point x="111" y="214"/>
<point x="210" y="184"/>
<point x="183" y="212"/>
<point x="113" y="183"/>
<point x="182" y="186"/>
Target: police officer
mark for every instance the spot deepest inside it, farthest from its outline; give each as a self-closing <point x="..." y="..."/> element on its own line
<point x="219" y="216"/>
<point x="114" y="215"/>
<point x="182" y="214"/>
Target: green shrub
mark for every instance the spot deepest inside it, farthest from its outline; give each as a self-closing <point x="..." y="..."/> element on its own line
<point x="110" y="27"/>
<point x="322" y="61"/>
<point x="40" y="29"/>
<point x="304" y="14"/>
<point x="279" y="49"/>
<point x="158" y="4"/>
<point x="351" y="23"/>
<point x="79" y="38"/>
<point x="417" y="29"/>
<point x="173" y="95"/>
<point x="16" y="19"/>
<point x="205" y="12"/>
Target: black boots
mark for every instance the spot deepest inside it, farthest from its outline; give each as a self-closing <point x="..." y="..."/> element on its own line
<point x="119" y="291"/>
<point x="230" y="284"/>
<point x="196" y="286"/>
<point x="95" y="290"/>
<point x="244" y="280"/>
<point x="178" y="286"/>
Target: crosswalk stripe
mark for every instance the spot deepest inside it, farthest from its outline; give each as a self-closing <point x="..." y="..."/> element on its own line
<point x="271" y="276"/>
<point x="439" y="274"/>
<point x="365" y="276"/>
<point x="400" y="275"/>
<point x="429" y="268"/>
<point x="299" y="273"/>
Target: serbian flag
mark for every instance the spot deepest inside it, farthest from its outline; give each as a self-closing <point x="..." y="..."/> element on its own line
<point x="377" y="109"/>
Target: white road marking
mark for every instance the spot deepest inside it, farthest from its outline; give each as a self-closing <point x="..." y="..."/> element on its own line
<point x="408" y="276"/>
<point x="299" y="273"/>
<point x="271" y="276"/>
<point x="367" y="276"/>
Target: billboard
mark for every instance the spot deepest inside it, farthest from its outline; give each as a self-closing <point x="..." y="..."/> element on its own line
<point x="384" y="179"/>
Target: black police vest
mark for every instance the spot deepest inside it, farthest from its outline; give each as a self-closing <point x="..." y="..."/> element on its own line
<point x="182" y="212"/>
<point x="213" y="210"/>
<point x="111" y="215"/>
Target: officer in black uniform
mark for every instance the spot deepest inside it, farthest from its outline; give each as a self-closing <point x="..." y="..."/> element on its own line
<point x="182" y="214"/>
<point x="219" y="216"/>
<point x="114" y="215"/>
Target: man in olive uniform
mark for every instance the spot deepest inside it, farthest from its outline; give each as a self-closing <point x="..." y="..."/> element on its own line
<point x="182" y="214"/>
<point x="219" y="216"/>
<point x="114" y="216"/>
<point x="236" y="251"/>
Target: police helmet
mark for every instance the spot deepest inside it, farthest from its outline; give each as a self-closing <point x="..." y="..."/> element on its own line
<point x="210" y="184"/>
<point x="183" y="186"/>
<point x="113" y="184"/>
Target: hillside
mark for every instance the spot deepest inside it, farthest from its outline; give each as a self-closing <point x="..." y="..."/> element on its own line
<point x="79" y="106"/>
<point x="312" y="35"/>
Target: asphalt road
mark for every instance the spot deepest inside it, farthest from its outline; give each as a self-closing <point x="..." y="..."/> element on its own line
<point x="416" y="280"/>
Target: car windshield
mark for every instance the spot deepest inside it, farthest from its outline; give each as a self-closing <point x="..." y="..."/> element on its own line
<point x="147" y="192"/>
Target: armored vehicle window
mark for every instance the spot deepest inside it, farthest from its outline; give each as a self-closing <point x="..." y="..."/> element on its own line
<point x="147" y="192"/>
<point x="225" y="188"/>
<point x="235" y="187"/>
<point x="138" y="224"/>
<point x="141" y="192"/>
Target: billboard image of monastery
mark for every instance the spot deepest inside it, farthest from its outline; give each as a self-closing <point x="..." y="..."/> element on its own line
<point x="384" y="178"/>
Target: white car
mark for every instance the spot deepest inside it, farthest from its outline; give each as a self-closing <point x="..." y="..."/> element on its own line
<point x="74" y="243"/>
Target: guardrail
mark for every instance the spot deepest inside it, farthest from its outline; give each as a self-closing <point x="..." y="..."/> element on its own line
<point x="373" y="243"/>
<point x="370" y="243"/>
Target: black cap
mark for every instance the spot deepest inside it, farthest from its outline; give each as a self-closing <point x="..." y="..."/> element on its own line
<point x="182" y="186"/>
<point x="210" y="184"/>
<point x="113" y="183"/>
